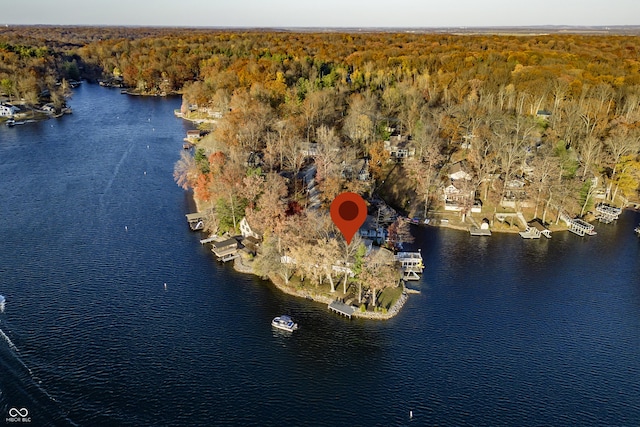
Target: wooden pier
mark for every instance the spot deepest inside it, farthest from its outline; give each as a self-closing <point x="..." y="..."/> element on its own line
<point x="477" y="231"/>
<point x="535" y="229"/>
<point x="210" y="239"/>
<point x="341" y="308"/>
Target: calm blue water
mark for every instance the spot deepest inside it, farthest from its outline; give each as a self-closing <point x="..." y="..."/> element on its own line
<point x="505" y="331"/>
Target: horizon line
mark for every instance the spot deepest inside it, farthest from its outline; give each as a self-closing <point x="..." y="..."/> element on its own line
<point x="604" y="26"/>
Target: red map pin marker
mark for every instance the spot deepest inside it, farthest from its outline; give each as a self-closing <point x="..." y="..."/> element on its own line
<point x="348" y="212"/>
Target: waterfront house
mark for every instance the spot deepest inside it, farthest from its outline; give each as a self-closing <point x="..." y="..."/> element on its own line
<point x="247" y="231"/>
<point x="7" y="110"/>
<point x="372" y="230"/>
<point x="515" y="195"/>
<point x="194" y="134"/>
<point x="457" y="198"/>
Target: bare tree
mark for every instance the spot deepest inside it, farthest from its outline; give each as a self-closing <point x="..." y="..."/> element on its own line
<point x="621" y="142"/>
<point x="589" y="153"/>
<point x="513" y="136"/>
<point x="328" y="152"/>
<point x="545" y="167"/>
<point x="317" y="107"/>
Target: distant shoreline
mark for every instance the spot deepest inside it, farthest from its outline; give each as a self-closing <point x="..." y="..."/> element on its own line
<point x="527" y="30"/>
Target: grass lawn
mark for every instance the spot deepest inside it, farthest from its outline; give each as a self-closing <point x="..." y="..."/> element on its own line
<point x="389" y="296"/>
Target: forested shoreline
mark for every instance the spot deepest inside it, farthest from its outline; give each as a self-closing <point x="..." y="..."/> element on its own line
<point x="541" y="124"/>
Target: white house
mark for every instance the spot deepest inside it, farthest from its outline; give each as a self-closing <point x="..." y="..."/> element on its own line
<point x="456" y="198"/>
<point x="457" y="172"/>
<point x="7" y="110"/>
<point x="246" y="231"/>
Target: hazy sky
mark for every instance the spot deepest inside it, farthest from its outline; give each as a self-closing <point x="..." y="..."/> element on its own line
<point x="322" y="13"/>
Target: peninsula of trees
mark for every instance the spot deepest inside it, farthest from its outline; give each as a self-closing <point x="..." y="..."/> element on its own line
<point x="544" y="124"/>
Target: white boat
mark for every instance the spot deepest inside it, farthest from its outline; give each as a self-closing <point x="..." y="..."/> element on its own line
<point x="285" y="323"/>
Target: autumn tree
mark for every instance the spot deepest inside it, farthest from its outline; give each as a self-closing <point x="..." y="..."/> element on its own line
<point x="621" y="142"/>
<point x="185" y="171"/>
<point x="380" y="271"/>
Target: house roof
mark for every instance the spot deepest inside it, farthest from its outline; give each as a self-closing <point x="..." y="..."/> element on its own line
<point x="451" y="189"/>
<point x="251" y="240"/>
<point x="225" y="243"/>
<point x="535" y="223"/>
<point x="458" y="170"/>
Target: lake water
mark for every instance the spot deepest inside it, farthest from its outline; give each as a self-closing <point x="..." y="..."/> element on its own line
<point x="504" y="332"/>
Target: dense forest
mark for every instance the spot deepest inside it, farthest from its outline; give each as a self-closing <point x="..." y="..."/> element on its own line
<point x="546" y="124"/>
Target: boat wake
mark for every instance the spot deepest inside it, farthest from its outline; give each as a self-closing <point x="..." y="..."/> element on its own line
<point x="116" y="170"/>
<point x="19" y="384"/>
<point x="12" y="346"/>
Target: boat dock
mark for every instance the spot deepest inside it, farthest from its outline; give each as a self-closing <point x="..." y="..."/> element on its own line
<point x="226" y="250"/>
<point x="411" y="263"/>
<point x="195" y="220"/>
<point x="341" y="308"/>
<point x="580" y="227"/>
<point x="480" y="230"/>
<point x="213" y="238"/>
<point x="606" y="213"/>
<point x="475" y="231"/>
<point x="535" y="229"/>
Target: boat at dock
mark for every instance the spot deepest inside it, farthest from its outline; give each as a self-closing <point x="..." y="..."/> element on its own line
<point x="637" y="230"/>
<point x="284" y="322"/>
